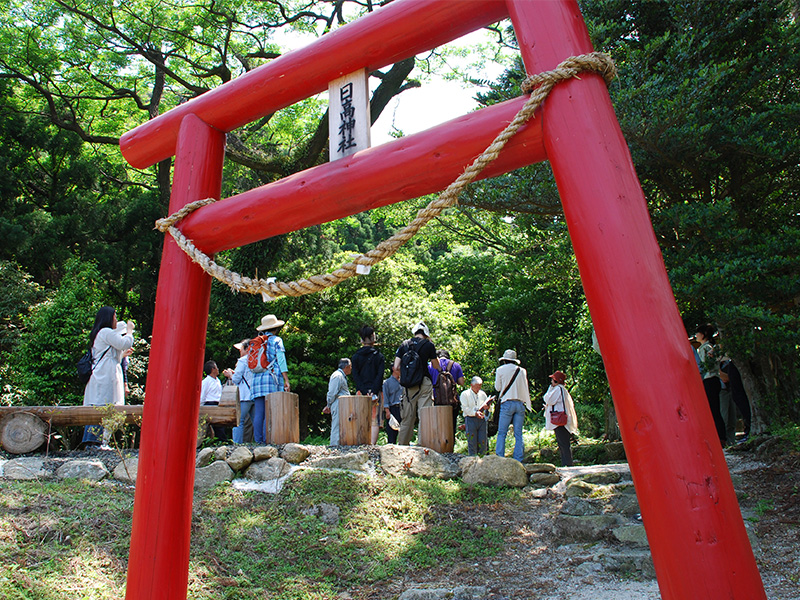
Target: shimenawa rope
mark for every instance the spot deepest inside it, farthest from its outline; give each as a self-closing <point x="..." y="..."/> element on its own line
<point x="538" y="86"/>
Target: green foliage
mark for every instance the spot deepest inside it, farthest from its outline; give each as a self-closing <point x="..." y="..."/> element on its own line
<point x="18" y="292"/>
<point x="58" y="334"/>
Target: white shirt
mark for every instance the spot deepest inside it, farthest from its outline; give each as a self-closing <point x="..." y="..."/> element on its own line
<point x="471" y="402"/>
<point x="106" y="385"/>
<point x="243" y="377"/>
<point x="518" y="390"/>
<point x="210" y="391"/>
<point x="558" y="398"/>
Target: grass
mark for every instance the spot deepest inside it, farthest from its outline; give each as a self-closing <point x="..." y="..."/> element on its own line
<point x="70" y="540"/>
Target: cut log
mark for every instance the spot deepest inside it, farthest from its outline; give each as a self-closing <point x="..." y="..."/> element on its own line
<point x="436" y="428"/>
<point x="22" y="432"/>
<point x="355" y="413"/>
<point x="230" y="397"/>
<point x="284" y="418"/>
<point x="90" y="415"/>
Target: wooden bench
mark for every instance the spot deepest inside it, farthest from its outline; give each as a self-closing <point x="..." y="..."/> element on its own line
<point x="25" y="428"/>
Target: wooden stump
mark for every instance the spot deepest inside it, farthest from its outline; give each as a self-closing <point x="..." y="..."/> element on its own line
<point x="22" y="432"/>
<point x="230" y="397"/>
<point x="283" y="417"/>
<point x="436" y="428"/>
<point x="355" y="415"/>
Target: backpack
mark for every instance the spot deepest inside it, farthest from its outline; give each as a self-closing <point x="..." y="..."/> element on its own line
<point x="257" y="354"/>
<point x="412" y="368"/>
<point x="86" y="365"/>
<point x="445" y="387"/>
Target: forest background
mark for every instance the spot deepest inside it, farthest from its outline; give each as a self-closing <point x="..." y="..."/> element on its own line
<point x="707" y="100"/>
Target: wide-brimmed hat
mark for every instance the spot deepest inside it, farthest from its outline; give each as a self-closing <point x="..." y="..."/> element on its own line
<point x="269" y="322"/>
<point x="559" y="377"/>
<point x="509" y="355"/>
<point x="242" y="345"/>
<point x="420" y="327"/>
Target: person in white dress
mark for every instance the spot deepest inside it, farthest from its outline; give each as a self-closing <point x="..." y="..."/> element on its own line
<point x="108" y="340"/>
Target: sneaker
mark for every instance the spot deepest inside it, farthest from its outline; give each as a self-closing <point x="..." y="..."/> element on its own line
<point x="105" y="447"/>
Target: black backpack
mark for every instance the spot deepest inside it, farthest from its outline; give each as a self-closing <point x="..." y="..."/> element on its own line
<point x="446" y="387"/>
<point x="86" y="365"/>
<point x="412" y="368"/>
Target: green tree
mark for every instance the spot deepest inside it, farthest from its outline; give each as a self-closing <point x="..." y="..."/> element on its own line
<point x="708" y="103"/>
<point x="57" y="335"/>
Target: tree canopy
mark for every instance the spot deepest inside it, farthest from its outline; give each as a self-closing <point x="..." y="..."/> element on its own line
<point x="706" y="98"/>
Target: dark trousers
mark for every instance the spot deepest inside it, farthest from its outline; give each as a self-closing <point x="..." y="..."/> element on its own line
<point x="563" y="440"/>
<point x="712" y="387"/>
<point x="391" y="434"/>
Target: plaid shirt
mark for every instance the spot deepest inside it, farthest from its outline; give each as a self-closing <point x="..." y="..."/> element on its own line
<point x="270" y="380"/>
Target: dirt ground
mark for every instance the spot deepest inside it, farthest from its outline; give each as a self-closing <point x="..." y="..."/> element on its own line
<point x="767" y="482"/>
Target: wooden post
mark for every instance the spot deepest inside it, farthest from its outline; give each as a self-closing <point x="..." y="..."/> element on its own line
<point x="694" y="526"/>
<point x="230" y="399"/>
<point x="158" y="567"/>
<point x="284" y="417"/>
<point x="355" y="414"/>
<point x="436" y="428"/>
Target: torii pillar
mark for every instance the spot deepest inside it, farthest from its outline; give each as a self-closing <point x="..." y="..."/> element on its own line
<point x="694" y="526"/>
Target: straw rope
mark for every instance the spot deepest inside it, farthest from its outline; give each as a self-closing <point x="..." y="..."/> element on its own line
<point x="538" y="86"/>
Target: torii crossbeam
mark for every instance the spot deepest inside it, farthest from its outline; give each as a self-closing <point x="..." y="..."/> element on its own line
<point x="697" y="537"/>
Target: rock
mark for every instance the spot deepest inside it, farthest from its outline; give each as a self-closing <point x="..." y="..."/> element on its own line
<point x="127" y="470"/>
<point x="205" y="457"/>
<point x="614" y="451"/>
<point x="240" y="458"/>
<point x="93" y="470"/>
<point x="2" y="462"/>
<point x="625" y="503"/>
<point x="531" y="468"/>
<point x="459" y="593"/>
<point x="266" y="470"/>
<point x="352" y="461"/>
<point x="416" y="461"/>
<point x="588" y="569"/>
<point x="493" y="470"/>
<point x="206" y="478"/>
<point x="327" y="513"/>
<point x="537" y="492"/>
<point x="576" y="487"/>
<point x="631" y="534"/>
<point x="24" y="468"/>
<point x="632" y="562"/>
<point x="591" y="528"/>
<point x="294" y="453"/>
<point x="544" y="479"/>
<point x="603" y="477"/>
<point x="264" y="453"/>
<point x="580" y="507"/>
<point x="221" y="453"/>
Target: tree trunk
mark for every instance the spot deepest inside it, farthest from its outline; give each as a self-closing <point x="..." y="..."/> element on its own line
<point x="90" y="415"/>
<point x="436" y="428"/>
<point x="355" y="413"/>
<point x="284" y="418"/>
<point x="22" y="432"/>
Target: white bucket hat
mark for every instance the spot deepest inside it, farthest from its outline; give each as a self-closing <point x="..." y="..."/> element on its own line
<point x="269" y="322"/>
<point x="420" y="326"/>
<point x="509" y="355"/>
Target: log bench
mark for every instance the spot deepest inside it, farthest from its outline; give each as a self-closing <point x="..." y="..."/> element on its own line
<point x="24" y="426"/>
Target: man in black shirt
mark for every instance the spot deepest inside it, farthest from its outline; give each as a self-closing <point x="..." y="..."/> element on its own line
<point x="412" y="360"/>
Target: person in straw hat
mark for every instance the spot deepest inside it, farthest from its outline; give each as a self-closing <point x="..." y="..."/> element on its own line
<point x="275" y="377"/>
<point x="511" y="381"/>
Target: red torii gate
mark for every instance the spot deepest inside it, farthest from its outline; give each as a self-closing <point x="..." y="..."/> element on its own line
<point x="697" y="537"/>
